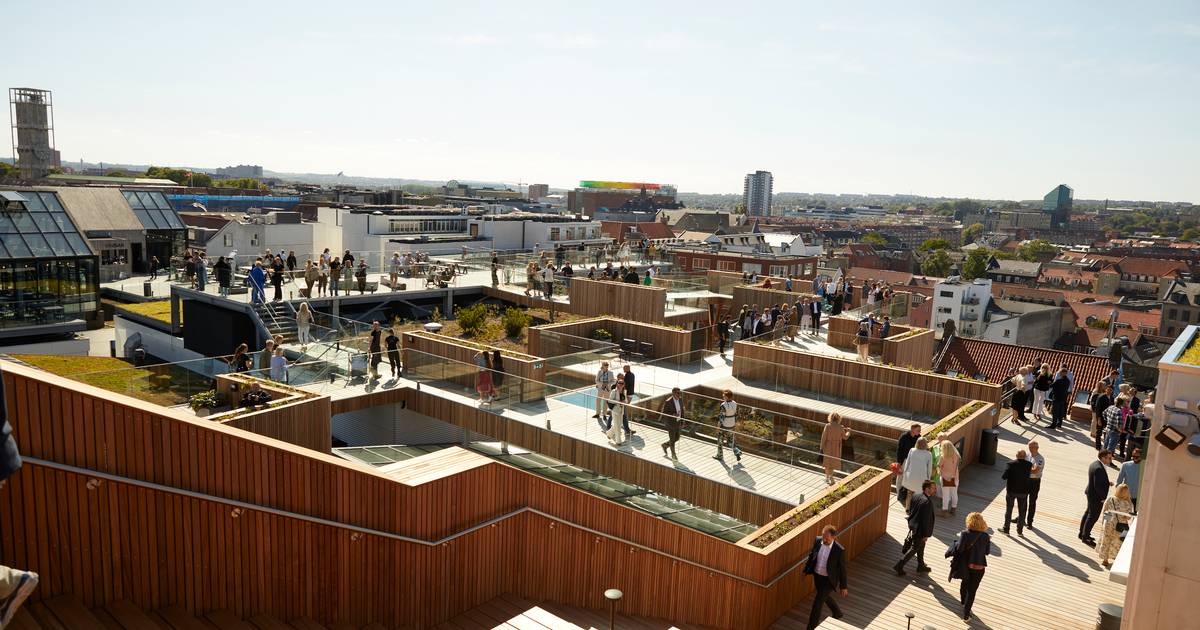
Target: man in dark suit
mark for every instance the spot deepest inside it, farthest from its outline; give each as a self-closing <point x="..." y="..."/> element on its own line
<point x="827" y="564"/>
<point x="672" y="415"/>
<point x="815" y="307"/>
<point x="1016" y="476"/>
<point x="920" y="528"/>
<point x="1096" y="492"/>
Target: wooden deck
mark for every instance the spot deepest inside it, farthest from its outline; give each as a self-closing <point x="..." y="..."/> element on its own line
<point x="510" y="612"/>
<point x="1046" y="580"/>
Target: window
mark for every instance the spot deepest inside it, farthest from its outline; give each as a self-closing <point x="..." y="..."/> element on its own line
<point x="1173" y="314"/>
<point x="253" y="240"/>
<point x="1006" y="331"/>
<point x="726" y="265"/>
<point x="555" y="234"/>
<point x="777" y="270"/>
<point x="946" y="294"/>
<point x="228" y="240"/>
<point x="700" y="263"/>
<point x="945" y="309"/>
<point x="1186" y="316"/>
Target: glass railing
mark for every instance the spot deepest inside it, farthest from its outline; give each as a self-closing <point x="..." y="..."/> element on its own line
<point x="778" y="469"/>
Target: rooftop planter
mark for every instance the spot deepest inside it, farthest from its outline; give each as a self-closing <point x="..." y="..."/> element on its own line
<point x="787" y="526"/>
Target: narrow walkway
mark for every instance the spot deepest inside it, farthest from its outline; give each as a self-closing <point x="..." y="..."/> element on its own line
<point x="1046" y="580"/>
<point x="571" y="414"/>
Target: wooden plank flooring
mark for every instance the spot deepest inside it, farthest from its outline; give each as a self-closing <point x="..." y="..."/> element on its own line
<point x="1047" y="580"/>
<point x="515" y="613"/>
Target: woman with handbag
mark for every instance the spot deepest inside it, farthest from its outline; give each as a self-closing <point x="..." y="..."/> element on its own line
<point x="948" y="471"/>
<point x="968" y="555"/>
<point x="1117" y="509"/>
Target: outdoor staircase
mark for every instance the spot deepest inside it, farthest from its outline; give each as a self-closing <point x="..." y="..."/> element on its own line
<point x="277" y="319"/>
<point x="68" y="612"/>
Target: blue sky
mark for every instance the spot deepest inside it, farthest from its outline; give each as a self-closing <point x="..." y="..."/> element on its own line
<point x="993" y="100"/>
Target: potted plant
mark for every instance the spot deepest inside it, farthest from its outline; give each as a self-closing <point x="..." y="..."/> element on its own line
<point x="600" y="334"/>
<point x="204" y="402"/>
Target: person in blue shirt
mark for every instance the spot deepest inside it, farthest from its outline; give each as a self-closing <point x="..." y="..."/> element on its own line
<point x="258" y="281"/>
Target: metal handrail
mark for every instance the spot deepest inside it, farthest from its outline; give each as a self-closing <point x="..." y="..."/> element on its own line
<point x="427" y="543"/>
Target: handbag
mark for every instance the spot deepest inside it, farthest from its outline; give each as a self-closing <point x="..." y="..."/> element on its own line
<point x="908" y="542"/>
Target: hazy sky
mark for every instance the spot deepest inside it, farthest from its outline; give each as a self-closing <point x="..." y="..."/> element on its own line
<point x="980" y="99"/>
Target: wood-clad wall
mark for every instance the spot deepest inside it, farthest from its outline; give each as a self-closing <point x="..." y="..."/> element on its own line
<point x="914" y="351"/>
<point x="112" y="539"/>
<point x="296" y="417"/>
<point x="529" y="370"/>
<point x="749" y="296"/>
<point x="302" y="422"/>
<point x="968" y="433"/>
<point x="898" y="388"/>
<point x="633" y="301"/>
<point x="720" y="497"/>
<point x="668" y="342"/>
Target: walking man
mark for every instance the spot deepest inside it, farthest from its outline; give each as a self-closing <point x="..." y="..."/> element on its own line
<point x="672" y="413"/>
<point x="1017" y="490"/>
<point x="722" y="335"/>
<point x="726" y="421"/>
<point x="920" y="528"/>
<point x="827" y="564"/>
<point x="1096" y="492"/>
<point x="1035" y="480"/>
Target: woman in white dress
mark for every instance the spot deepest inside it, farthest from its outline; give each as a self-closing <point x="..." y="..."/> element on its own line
<point x="616" y="404"/>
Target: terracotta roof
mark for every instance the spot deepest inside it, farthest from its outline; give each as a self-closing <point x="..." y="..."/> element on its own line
<point x="995" y="360"/>
<point x="1134" y="318"/>
<point x="1068" y="275"/>
<point x="1148" y="266"/>
<point x="1096" y="335"/>
<point x="882" y="275"/>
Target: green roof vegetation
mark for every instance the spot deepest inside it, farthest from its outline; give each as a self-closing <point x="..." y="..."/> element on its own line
<point x="814" y="509"/>
<point x="165" y="385"/>
<point x="158" y="309"/>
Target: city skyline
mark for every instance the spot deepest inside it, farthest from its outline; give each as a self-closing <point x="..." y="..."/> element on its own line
<point x="940" y="100"/>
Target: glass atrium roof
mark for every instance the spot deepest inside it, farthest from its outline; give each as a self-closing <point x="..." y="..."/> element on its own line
<point x="153" y="210"/>
<point x="38" y="228"/>
<point x="637" y="497"/>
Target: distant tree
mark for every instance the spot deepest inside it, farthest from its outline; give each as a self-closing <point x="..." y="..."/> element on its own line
<point x="971" y="233"/>
<point x="937" y="264"/>
<point x="246" y="183"/>
<point x="739" y="208"/>
<point x="180" y="176"/>
<point x="933" y="243"/>
<point x="8" y="170"/>
<point x="1036" y="250"/>
<point x="1190" y="234"/>
<point x="976" y="264"/>
<point x="943" y="208"/>
<point x="116" y="174"/>
<point x="875" y="238"/>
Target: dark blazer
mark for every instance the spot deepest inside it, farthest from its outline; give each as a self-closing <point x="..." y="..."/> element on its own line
<point x="1097" y="487"/>
<point x="1061" y="388"/>
<point x="904" y="445"/>
<point x="10" y="459"/>
<point x="1017" y="476"/>
<point x="969" y="548"/>
<point x="835" y="567"/>
<point x="630" y="381"/>
<point x="920" y="516"/>
<point x="668" y="408"/>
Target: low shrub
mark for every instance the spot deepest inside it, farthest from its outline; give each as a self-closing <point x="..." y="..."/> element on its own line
<point x="206" y="400"/>
<point x="515" y="320"/>
<point x="600" y="334"/>
<point x="813" y="510"/>
<point x="472" y="319"/>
